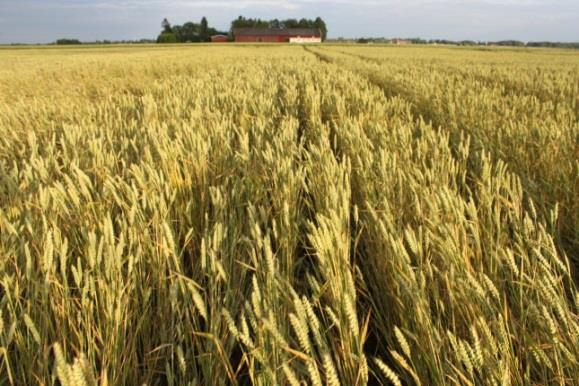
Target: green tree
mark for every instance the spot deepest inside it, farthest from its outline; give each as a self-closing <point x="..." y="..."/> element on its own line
<point x="166" y="26"/>
<point x="321" y="25"/>
<point x="68" y="41"/>
<point x="304" y="23"/>
<point x="167" y="37"/>
<point x="189" y="32"/>
<point x="275" y="23"/>
<point x="238" y="23"/>
<point x="204" y="30"/>
<point x="291" y="23"/>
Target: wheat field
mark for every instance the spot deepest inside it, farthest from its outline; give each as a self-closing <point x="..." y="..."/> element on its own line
<point x="276" y="215"/>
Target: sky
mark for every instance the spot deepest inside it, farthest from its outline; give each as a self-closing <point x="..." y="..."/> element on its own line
<point x="44" y="21"/>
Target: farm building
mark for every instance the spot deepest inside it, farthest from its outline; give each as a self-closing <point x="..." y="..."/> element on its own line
<point x="219" y="39"/>
<point x="401" y="42"/>
<point x="277" y="35"/>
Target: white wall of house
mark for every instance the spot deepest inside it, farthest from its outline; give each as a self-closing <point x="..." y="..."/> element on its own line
<point x="301" y="40"/>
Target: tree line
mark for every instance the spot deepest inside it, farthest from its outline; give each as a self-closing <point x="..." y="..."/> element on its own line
<point x="191" y="32"/>
<point x="501" y="43"/>
<point x="318" y="23"/>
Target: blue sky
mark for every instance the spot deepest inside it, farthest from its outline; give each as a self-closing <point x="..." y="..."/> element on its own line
<point x="29" y="21"/>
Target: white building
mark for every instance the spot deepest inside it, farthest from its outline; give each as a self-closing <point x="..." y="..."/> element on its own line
<point x="304" y="40"/>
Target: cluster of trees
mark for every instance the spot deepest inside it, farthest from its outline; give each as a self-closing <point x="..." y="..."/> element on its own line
<point x="189" y="32"/>
<point x="201" y="32"/>
<point x="243" y="22"/>
<point x="138" y="41"/>
<point x="553" y="44"/>
<point x="66" y="41"/>
<point x="502" y="43"/>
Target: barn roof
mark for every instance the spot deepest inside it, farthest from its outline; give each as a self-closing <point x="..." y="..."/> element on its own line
<point x="277" y="31"/>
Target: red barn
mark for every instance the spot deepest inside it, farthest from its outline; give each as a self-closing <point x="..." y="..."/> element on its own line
<point x="275" y="35"/>
<point x="219" y="39"/>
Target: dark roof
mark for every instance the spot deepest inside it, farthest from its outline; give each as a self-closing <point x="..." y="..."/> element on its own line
<point x="277" y="31"/>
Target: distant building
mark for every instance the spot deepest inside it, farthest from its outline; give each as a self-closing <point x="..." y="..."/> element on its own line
<point x="277" y="35"/>
<point x="401" y="42"/>
<point x="305" y="40"/>
<point x="219" y="39"/>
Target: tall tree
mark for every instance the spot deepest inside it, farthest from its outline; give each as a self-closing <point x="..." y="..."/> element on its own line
<point x="166" y="26"/>
<point x="204" y="29"/>
<point x="321" y="25"/>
